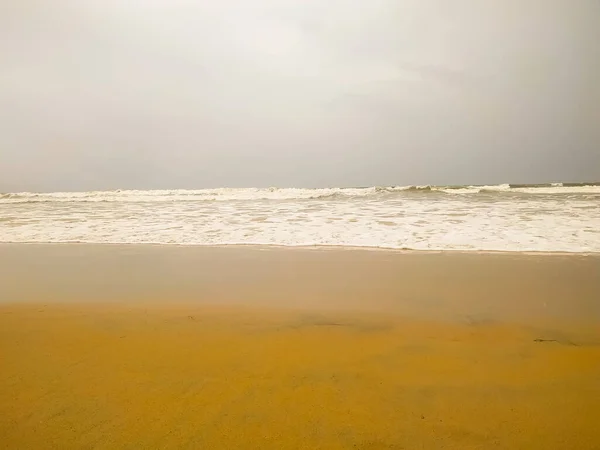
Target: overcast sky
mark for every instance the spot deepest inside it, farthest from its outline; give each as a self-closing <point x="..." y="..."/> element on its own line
<point x="108" y="94"/>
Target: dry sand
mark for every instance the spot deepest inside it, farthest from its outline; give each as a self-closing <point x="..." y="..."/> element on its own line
<point x="174" y="347"/>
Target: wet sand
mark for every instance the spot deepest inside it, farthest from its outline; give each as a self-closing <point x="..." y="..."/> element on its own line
<point x="176" y="347"/>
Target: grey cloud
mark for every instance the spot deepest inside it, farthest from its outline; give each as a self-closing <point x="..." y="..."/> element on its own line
<point x="160" y="94"/>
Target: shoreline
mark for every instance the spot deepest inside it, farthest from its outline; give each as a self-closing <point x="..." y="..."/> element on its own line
<point x="502" y="286"/>
<point x="328" y="247"/>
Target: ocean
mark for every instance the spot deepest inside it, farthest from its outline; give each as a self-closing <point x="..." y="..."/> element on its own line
<point x="515" y="218"/>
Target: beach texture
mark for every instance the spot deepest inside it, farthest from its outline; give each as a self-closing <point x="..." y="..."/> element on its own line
<point x="249" y="347"/>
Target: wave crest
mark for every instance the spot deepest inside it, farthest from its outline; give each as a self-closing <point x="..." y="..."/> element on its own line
<point x="273" y="193"/>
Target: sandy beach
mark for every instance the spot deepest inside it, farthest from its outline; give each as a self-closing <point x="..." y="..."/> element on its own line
<point x="253" y="347"/>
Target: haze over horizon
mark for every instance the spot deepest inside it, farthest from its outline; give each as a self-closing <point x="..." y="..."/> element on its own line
<point x="157" y="94"/>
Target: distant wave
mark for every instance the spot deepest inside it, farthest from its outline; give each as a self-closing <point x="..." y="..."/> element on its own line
<point x="241" y="194"/>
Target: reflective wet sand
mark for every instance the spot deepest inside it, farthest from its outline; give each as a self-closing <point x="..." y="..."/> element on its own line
<point x="147" y="347"/>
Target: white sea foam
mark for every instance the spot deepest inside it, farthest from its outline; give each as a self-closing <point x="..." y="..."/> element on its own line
<point x="228" y="194"/>
<point x="504" y="218"/>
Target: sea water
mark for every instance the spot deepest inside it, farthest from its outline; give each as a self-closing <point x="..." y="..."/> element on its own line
<point x="548" y="218"/>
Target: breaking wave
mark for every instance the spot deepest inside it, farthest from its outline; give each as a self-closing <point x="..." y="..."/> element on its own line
<point x="243" y="194"/>
<point x="504" y="217"/>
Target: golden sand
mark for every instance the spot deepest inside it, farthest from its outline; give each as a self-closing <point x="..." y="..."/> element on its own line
<point x="456" y="363"/>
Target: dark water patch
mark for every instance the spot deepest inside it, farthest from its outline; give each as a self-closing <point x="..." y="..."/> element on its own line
<point x="419" y="188"/>
<point x="555" y="341"/>
<point x="594" y="183"/>
<point x="556" y="337"/>
<point x="318" y="321"/>
<point x="538" y="185"/>
<point x="456" y="186"/>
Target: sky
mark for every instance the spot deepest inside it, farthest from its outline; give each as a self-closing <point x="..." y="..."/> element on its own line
<point x="161" y="94"/>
